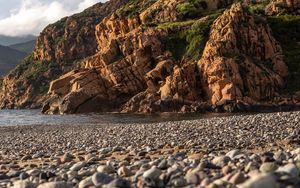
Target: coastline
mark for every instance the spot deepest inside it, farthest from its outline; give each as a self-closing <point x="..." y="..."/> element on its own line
<point x="187" y="143"/>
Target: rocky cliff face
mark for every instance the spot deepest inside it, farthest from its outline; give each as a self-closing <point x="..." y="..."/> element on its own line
<point x="57" y="49"/>
<point x="73" y="38"/>
<point x="242" y="60"/>
<point x="152" y="56"/>
<point x="135" y="70"/>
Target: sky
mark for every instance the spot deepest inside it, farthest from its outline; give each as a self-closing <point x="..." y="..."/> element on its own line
<point x="30" y="17"/>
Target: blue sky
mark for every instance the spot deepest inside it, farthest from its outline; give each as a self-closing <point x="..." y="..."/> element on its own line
<point x="24" y="17"/>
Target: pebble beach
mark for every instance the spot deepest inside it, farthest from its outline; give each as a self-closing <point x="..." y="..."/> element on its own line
<point x="244" y="151"/>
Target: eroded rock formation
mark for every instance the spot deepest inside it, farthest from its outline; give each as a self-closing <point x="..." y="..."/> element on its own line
<point x="241" y="60"/>
<point x="58" y="48"/>
<point x="150" y="56"/>
<point x="133" y="70"/>
<point x="135" y="66"/>
<point x="73" y="38"/>
<point x="282" y="6"/>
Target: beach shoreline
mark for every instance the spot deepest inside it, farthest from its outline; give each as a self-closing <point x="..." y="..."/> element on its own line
<point x="185" y="144"/>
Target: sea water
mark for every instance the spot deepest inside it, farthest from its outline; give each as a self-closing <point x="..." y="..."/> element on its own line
<point x="35" y="117"/>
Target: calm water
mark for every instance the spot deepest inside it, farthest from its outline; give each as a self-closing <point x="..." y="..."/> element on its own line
<point x="35" y="117"/>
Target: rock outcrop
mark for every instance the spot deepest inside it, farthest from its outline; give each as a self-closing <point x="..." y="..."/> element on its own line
<point x="127" y="52"/>
<point x="58" y="48"/>
<point x="282" y="6"/>
<point x="133" y="65"/>
<point x="73" y="38"/>
<point x="150" y="56"/>
<point x="134" y="71"/>
<point x="241" y="60"/>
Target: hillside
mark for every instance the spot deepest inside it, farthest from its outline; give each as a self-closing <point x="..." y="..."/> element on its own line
<point x="8" y="40"/>
<point x="9" y="58"/>
<point x="26" y="47"/>
<point x="156" y="56"/>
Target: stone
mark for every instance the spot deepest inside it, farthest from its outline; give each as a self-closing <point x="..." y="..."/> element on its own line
<point x="268" y="167"/>
<point x="24" y="184"/>
<point x="33" y="172"/>
<point x="123" y="171"/>
<point x="279" y="156"/>
<point x="13" y="173"/>
<point x="221" y="161"/>
<point x="296" y="151"/>
<point x="100" y="179"/>
<point x="24" y="176"/>
<point x="163" y="164"/>
<point x="179" y="182"/>
<point x="152" y="173"/>
<point x="233" y="153"/>
<point x="290" y="169"/>
<point x="238" y="178"/>
<point x="67" y="157"/>
<point x="85" y="183"/>
<point x="78" y="166"/>
<point x="226" y="170"/>
<point x="106" y="169"/>
<point x="59" y="184"/>
<point x="192" y="178"/>
<point x="26" y="157"/>
<point x="259" y="181"/>
<point x="3" y="176"/>
<point x="117" y="183"/>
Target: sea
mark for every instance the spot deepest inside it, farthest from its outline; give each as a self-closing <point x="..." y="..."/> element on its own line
<point x="35" y="117"/>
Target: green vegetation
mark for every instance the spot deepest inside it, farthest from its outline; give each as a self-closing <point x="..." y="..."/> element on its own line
<point x="133" y="7"/>
<point x="259" y="8"/>
<point x="38" y="74"/>
<point x="286" y="29"/>
<point x="9" y="58"/>
<point x="191" y="9"/>
<point x="176" y="25"/>
<point x="26" y="47"/>
<point x="188" y="39"/>
<point x="130" y="9"/>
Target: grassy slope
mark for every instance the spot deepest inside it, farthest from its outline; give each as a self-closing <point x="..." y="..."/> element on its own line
<point x="26" y="47"/>
<point x="9" y="58"/>
<point x="286" y="29"/>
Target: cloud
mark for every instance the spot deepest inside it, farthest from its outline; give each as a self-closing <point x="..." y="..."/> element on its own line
<point x="34" y="15"/>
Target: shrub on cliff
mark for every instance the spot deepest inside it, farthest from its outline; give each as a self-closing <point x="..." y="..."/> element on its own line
<point x="286" y="29"/>
<point x="191" y="9"/>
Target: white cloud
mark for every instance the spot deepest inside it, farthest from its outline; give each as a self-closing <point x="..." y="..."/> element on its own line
<point x="34" y="15"/>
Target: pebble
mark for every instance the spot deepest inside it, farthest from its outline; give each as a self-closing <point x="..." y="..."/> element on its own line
<point x="85" y="183"/>
<point x="237" y="178"/>
<point x="118" y="183"/>
<point x="221" y="161"/>
<point x="290" y="169"/>
<point x="59" y="184"/>
<point x="77" y="166"/>
<point x="123" y="171"/>
<point x="166" y="154"/>
<point x="67" y="157"/>
<point x="106" y="169"/>
<point x="233" y="153"/>
<point x="24" y="184"/>
<point x="260" y="181"/>
<point x="268" y="167"/>
<point x="101" y="179"/>
<point x="192" y="178"/>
